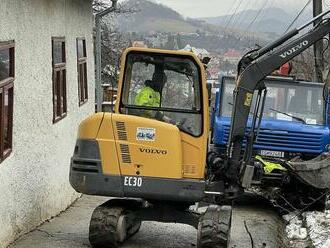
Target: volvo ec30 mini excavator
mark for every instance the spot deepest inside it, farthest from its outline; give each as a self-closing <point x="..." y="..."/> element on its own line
<point x="153" y="159"/>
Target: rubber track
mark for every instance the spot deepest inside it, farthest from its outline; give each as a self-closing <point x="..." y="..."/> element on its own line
<point x="214" y="227"/>
<point x="103" y="226"/>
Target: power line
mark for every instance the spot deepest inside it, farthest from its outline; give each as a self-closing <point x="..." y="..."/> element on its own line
<point x="233" y="14"/>
<point x="239" y="20"/>
<point x="271" y="3"/>
<point x="230" y="10"/>
<point x="299" y="14"/>
<point x="246" y="13"/>
<point x="253" y="39"/>
<point x="241" y="13"/>
<point x="231" y="17"/>
<point x="243" y="17"/>
<point x="257" y="15"/>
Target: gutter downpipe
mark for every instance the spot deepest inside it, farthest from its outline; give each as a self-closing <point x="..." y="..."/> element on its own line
<point x="98" y="54"/>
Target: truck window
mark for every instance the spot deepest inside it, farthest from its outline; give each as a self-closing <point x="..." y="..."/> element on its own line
<point x="299" y="99"/>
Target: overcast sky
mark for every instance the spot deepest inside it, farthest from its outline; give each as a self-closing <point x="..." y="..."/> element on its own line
<point x="206" y="8"/>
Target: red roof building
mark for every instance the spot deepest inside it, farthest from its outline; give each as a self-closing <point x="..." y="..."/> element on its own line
<point x="232" y="56"/>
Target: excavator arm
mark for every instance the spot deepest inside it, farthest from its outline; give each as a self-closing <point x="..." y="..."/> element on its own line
<point x="256" y="66"/>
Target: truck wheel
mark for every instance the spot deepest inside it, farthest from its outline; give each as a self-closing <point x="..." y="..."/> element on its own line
<point x="214" y="227"/>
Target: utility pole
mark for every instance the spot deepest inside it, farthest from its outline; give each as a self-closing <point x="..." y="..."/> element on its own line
<point x="98" y="54"/>
<point x="318" y="46"/>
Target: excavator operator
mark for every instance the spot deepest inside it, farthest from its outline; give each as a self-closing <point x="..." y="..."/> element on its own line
<point x="150" y="96"/>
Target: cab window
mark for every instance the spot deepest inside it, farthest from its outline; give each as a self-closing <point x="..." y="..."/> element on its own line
<point x="165" y="88"/>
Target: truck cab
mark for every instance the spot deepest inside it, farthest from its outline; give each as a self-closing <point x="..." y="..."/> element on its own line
<point x="295" y="120"/>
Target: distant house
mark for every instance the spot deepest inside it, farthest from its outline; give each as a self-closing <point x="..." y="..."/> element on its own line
<point x="46" y="89"/>
<point x="232" y="56"/>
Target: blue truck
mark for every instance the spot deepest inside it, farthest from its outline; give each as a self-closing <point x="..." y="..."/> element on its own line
<point x="295" y="122"/>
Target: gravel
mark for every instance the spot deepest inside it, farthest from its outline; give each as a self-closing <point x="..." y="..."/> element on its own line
<point x="309" y="228"/>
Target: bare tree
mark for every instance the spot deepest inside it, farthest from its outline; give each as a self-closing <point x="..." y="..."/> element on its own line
<point x="113" y="41"/>
<point x="113" y="44"/>
<point x="303" y="65"/>
<point x="100" y="5"/>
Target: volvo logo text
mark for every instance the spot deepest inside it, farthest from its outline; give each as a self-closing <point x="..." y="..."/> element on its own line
<point x="153" y="151"/>
<point x="294" y="49"/>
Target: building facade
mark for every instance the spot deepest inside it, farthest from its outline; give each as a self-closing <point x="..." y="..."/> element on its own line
<point x="232" y="56"/>
<point x="46" y="89"/>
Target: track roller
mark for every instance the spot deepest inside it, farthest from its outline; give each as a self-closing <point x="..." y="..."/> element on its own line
<point x="112" y="225"/>
<point x="214" y="227"/>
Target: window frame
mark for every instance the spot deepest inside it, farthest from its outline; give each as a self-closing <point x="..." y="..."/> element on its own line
<point x="123" y="105"/>
<point x="6" y="85"/>
<point x="59" y="111"/>
<point x="82" y="73"/>
<point x="276" y="83"/>
<point x="167" y="109"/>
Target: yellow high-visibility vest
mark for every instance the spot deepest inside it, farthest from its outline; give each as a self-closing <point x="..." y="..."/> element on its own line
<point x="269" y="167"/>
<point x="147" y="97"/>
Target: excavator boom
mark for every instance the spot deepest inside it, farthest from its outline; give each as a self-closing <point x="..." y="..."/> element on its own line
<point x="257" y="66"/>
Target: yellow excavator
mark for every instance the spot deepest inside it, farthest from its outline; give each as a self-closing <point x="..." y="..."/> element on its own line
<point x="153" y="160"/>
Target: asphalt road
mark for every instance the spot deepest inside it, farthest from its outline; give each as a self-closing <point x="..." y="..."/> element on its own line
<point x="251" y="227"/>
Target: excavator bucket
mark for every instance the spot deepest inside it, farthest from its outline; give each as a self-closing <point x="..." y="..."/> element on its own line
<point x="315" y="172"/>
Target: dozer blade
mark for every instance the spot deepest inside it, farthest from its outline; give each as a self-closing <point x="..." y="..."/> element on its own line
<point x="315" y="172"/>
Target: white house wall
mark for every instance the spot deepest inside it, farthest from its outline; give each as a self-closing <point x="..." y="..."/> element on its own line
<point x="34" y="182"/>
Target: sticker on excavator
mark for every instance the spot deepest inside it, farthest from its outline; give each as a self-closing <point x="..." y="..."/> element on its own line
<point x="146" y="134"/>
<point x="248" y="99"/>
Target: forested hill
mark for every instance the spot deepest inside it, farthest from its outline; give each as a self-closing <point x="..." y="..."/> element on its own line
<point x="150" y="16"/>
<point x="270" y="20"/>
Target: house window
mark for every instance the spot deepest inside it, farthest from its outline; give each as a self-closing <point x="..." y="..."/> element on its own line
<point x="7" y="74"/>
<point x="82" y="70"/>
<point x="59" y="79"/>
